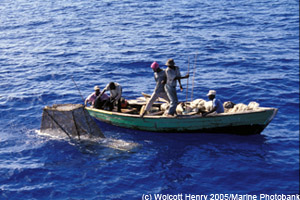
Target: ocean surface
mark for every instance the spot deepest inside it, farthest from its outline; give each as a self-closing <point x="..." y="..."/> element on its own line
<point x="245" y="50"/>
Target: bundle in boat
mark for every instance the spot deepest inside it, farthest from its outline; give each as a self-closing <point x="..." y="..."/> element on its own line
<point x="70" y="119"/>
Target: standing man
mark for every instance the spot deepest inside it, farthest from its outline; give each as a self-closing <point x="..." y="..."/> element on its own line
<point x="217" y="106"/>
<point x="115" y="91"/>
<point x="159" y="91"/>
<point x="173" y="74"/>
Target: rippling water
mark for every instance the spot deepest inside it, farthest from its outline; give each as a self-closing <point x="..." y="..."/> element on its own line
<point x="246" y="50"/>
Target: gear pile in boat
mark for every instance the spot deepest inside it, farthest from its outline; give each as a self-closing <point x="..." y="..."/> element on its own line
<point x="198" y="106"/>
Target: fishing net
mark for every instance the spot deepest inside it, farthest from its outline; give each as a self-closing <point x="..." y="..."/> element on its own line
<point x="70" y="119"/>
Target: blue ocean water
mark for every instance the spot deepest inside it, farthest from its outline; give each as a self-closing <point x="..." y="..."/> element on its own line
<point x="246" y="51"/>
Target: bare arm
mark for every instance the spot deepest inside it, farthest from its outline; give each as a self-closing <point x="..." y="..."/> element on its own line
<point x="211" y="111"/>
<point x="183" y="77"/>
<point x="179" y="78"/>
<point x="87" y="100"/>
<point x="181" y="88"/>
<point x="102" y="92"/>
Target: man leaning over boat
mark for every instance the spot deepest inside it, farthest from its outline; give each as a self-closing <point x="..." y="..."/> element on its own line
<point x="95" y="99"/>
<point x="115" y="91"/>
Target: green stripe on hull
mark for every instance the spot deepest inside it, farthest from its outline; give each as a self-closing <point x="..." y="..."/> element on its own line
<point x="232" y="123"/>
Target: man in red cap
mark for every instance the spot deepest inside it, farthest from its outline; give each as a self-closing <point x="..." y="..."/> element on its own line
<point x="159" y="91"/>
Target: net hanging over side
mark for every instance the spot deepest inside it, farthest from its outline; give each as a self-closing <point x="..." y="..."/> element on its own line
<point x="71" y="119"/>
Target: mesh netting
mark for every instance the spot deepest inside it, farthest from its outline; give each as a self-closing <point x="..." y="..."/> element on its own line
<point x="71" y="119"/>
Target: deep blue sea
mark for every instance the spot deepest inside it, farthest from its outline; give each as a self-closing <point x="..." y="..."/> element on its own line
<point x="245" y="50"/>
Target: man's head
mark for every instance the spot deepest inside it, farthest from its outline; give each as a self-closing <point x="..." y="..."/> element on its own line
<point x="112" y="85"/>
<point x="154" y="66"/>
<point x="211" y="94"/>
<point x="97" y="90"/>
<point x="170" y="63"/>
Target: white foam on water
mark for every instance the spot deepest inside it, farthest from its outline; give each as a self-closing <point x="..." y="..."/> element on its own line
<point x="122" y="145"/>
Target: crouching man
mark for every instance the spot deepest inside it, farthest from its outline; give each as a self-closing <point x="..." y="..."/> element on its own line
<point x="95" y="99"/>
<point x="217" y="106"/>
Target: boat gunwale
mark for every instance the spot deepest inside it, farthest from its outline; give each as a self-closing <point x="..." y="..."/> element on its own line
<point x="261" y="109"/>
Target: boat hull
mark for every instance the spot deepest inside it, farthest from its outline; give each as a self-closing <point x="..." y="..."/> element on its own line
<point x="251" y="122"/>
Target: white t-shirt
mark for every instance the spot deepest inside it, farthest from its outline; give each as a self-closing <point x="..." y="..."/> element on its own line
<point x="116" y="93"/>
<point x="171" y="75"/>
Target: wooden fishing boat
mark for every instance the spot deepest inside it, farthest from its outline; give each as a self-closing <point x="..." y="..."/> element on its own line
<point x="244" y="123"/>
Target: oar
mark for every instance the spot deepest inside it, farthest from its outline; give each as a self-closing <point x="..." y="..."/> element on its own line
<point x="194" y="77"/>
<point x="187" y="80"/>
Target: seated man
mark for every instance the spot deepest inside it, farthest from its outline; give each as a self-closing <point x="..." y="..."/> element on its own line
<point x="101" y="101"/>
<point x="115" y="91"/>
<point x="91" y="99"/>
<point x="217" y="106"/>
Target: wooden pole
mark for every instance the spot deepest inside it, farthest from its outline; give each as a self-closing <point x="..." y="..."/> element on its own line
<point x="194" y="77"/>
<point x="187" y="80"/>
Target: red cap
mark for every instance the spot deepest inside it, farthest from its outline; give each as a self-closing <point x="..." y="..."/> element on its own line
<point x="154" y="66"/>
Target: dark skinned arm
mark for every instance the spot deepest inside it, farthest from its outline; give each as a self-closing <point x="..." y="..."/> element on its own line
<point x="206" y="113"/>
<point x="179" y="78"/>
<point x="102" y="92"/>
